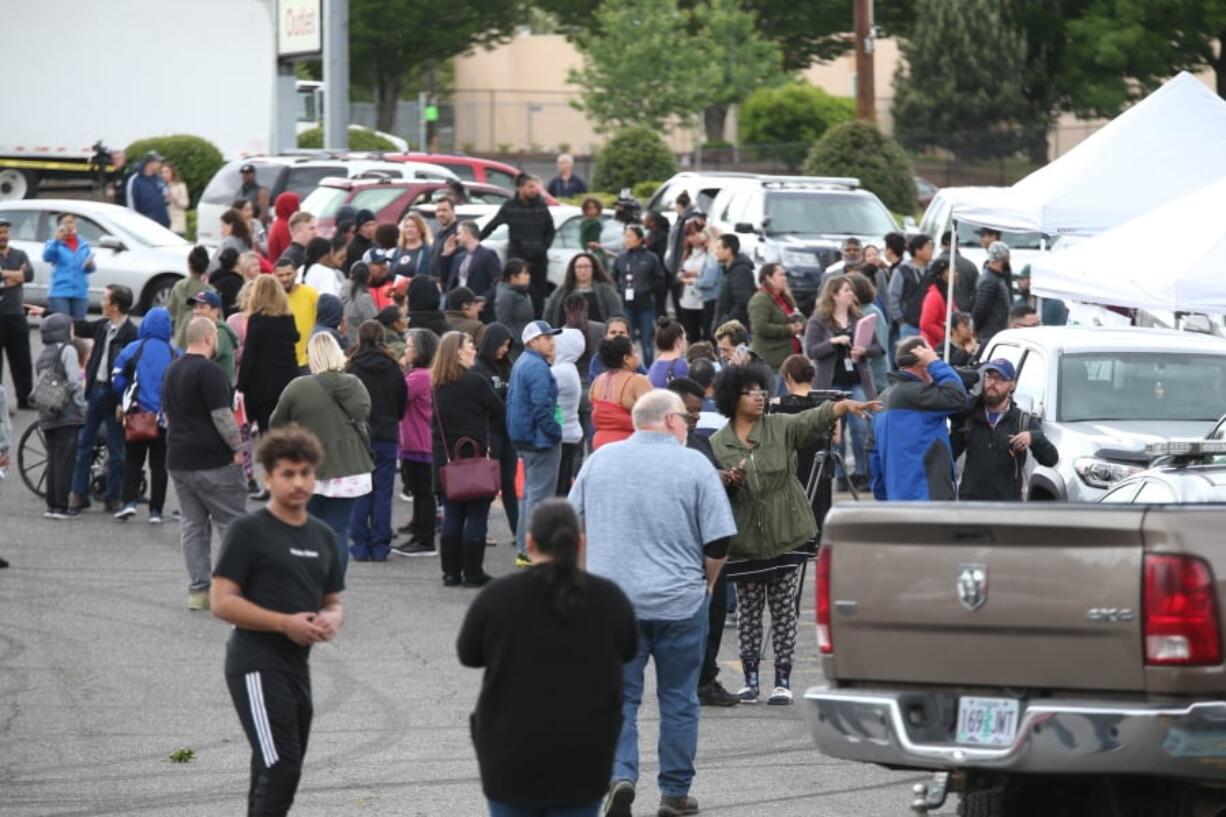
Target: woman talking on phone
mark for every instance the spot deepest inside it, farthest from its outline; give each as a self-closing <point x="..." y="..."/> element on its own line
<point x="71" y="259"/>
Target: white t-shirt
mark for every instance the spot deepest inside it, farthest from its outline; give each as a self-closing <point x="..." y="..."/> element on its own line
<point x="323" y="279"/>
<point x="692" y="265"/>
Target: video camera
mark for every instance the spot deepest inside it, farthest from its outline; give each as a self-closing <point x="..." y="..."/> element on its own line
<point x="627" y="209"/>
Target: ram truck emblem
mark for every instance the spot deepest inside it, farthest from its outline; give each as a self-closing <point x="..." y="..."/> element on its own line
<point x="972" y="585"/>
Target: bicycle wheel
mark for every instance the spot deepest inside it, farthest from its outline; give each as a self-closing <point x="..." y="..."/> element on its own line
<point x="32" y="460"/>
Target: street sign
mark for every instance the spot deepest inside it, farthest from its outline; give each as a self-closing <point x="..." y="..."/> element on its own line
<point x="299" y="28"/>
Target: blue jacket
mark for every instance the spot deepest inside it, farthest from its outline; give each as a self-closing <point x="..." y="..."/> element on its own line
<point x="531" y="402"/>
<point x="909" y="454"/>
<point x="155" y="331"/>
<point x="710" y="279"/>
<point x="148" y="198"/>
<point x="68" y="268"/>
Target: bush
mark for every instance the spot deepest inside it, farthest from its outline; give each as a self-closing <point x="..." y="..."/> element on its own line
<point x="196" y="159"/>
<point x="788" y="119"/>
<point x="359" y="139"/>
<point x="859" y="149"/>
<point x="633" y="155"/>
<point x="191" y="226"/>
<point x="606" y="199"/>
<point x="645" y="190"/>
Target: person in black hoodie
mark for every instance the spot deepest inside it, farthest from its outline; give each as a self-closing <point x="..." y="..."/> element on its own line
<point x="530" y="232"/>
<point x="424" y="299"/>
<point x="639" y="275"/>
<point x="738" y="285"/>
<point x="494" y="364"/>
<point x="363" y="237"/>
<point x="227" y="280"/>
<point x="370" y="529"/>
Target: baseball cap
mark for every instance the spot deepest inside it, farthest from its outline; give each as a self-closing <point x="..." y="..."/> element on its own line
<point x="1002" y="367"/>
<point x="991" y="230"/>
<point x="4" y="222"/>
<point x="154" y="156"/>
<point x="460" y="297"/>
<point x="998" y="251"/>
<point x="1025" y="273"/>
<point x="205" y="297"/>
<point x="536" y="329"/>
<point x="375" y="255"/>
<point x="363" y="216"/>
<point x="247" y="168"/>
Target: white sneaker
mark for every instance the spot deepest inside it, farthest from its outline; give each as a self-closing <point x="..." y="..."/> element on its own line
<point x="125" y="513"/>
<point x="748" y="694"/>
<point x="197" y="600"/>
<point x="781" y="696"/>
<point x="155" y="519"/>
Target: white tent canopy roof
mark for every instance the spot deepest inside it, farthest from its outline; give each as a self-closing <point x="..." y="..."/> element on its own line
<point x="1169" y="258"/>
<point x="1168" y="144"/>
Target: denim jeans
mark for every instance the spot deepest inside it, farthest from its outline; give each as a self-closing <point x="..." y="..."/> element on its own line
<point x="100" y="411"/>
<point x="540" y="483"/>
<point x="507" y="810"/>
<point x="75" y="308"/>
<point x="371" y="527"/>
<point x="859" y="435"/>
<point x="677" y="648"/>
<point x="335" y="512"/>
<point x="643" y="329"/>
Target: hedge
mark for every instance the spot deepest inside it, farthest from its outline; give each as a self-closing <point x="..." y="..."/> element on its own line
<point x="196" y="159"/>
<point x="786" y="120"/>
<point x="633" y="155"/>
<point x="359" y="139"/>
<point x="859" y="149"/>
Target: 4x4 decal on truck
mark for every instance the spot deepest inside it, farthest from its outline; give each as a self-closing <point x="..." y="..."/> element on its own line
<point x="972" y="585"/>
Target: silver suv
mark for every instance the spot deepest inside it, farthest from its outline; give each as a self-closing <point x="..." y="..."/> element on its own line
<point x="1104" y="394"/>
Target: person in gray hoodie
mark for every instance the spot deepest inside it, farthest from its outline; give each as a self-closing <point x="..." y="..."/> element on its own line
<point x="60" y="424"/>
<point x="330" y="319"/>
<point x="513" y="302"/>
<point x="569" y="348"/>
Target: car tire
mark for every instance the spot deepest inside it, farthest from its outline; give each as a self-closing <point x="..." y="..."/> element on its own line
<point x="17" y="184"/>
<point x="157" y="291"/>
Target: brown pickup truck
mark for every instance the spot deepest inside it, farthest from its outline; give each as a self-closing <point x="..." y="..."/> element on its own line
<point x="1038" y="661"/>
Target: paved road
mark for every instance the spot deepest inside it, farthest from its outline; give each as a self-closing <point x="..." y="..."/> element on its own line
<point x="104" y="673"/>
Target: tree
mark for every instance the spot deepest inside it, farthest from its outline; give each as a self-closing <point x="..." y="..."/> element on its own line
<point x="744" y="59"/>
<point x="633" y="155"/>
<point x="960" y="87"/>
<point x="859" y="150"/>
<point x="390" y="41"/>
<point x="359" y="139"/>
<point x="638" y="68"/>
<point x="790" y="118"/>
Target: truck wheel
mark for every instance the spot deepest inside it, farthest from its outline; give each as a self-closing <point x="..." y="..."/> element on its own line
<point x="17" y="184"/>
<point x="157" y="291"/>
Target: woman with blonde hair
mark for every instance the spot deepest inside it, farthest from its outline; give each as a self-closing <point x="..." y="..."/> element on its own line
<point x="465" y="406"/>
<point x="412" y="253"/>
<point x="269" y="361"/>
<point x="334" y="406"/>
<point x="178" y="198"/>
<point x="700" y="258"/>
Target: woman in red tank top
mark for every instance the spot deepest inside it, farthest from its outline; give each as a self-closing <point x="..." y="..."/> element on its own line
<point x="613" y="393"/>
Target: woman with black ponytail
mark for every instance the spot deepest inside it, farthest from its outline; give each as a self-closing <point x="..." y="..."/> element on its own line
<point x="558" y="636"/>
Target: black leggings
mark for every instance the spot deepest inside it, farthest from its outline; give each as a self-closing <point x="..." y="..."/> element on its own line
<point x="418" y="479"/>
<point x="275" y="709"/>
<point x="134" y="469"/>
<point x="61" y="462"/>
<point x="779" y="590"/>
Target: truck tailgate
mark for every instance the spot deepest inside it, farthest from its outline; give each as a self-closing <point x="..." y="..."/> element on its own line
<point x="987" y="594"/>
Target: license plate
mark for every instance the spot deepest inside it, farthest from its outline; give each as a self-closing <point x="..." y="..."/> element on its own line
<point x="987" y="721"/>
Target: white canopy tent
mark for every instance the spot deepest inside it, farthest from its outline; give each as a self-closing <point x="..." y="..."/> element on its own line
<point x="1171" y="258"/>
<point x="1166" y="145"/>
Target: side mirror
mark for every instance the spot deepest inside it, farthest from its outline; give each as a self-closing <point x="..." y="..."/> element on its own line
<point x="743" y="227"/>
<point x="110" y="242"/>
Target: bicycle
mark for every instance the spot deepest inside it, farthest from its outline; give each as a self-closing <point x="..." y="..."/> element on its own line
<point x="32" y="463"/>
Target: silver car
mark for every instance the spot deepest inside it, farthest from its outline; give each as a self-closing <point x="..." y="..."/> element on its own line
<point x="1184" y="472"/>
<point x="1104" y="394"/>
<point x="129" y="249"/>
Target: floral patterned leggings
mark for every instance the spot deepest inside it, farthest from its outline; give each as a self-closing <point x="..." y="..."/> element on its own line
<point x="751" y="597"/>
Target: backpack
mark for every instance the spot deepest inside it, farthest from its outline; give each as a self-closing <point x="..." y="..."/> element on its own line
<point x="51" y="389"/>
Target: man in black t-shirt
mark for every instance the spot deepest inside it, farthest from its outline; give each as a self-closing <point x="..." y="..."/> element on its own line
<point x="15" y="272"/>
<point x="204" y="453"/>
<point x="278" y="581"/>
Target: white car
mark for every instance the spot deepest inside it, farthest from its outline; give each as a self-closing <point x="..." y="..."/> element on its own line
<point x="1023" y="247"/>
<point x="299" y="174"/>
<point x="702" y="186"/>
<point x="129" y="249"/>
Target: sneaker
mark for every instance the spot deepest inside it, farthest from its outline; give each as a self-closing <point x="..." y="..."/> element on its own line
<point x="56" y="513"/>
<point x="781" y="696"/>
<point x="748" y="694"/>
<point x="478" y="581"/>
<point x="621" y="797"/>
<point x="69" y="513"/>
<point x="452" y="581"/>
<point x="80" y="503"/>
<point x="713" y="693"/>
<point x="155" y="518"/>
<point x="677" y="806"/>
<point x="415" y="548"/>
<point x="50" y="513"/>
<point x="405" y="497"/>
<point x="126" y="512"/>
<point x="197" y="600"/>
<point x="522" y="560"/>
<point x="731" y="621"/>
<point x="491" y="542"/>
<point x="262" y="496"/>
<point x="113" y="505"/>
<point x="252" y="488"/>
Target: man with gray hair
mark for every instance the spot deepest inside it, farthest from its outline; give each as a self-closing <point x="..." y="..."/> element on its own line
<point x="658" y="524"/>
<point x="204" y="453"/>
<point x="566" y="183"/>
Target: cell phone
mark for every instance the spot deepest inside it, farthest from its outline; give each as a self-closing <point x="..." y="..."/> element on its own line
<point x="742" y="349"/>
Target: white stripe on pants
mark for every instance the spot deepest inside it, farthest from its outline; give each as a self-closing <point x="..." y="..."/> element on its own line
<point x="259" y="716"/>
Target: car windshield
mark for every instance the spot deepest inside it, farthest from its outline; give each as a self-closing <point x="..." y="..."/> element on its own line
<point x="223" y="188"/>
<point x="826" y="214"/>
<point x="376" y="198"/>
<point x="144" y="230"/>
<point x="324" y="201"/>
<point x="1158" y="386"/>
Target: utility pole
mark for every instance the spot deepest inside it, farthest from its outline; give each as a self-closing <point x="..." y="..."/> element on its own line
<point x="336" y="74"/>
<point x="865" y="35"/>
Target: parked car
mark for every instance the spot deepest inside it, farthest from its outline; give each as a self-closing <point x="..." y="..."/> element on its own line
<point x="1104" y="394"/>
<point x="388" y="199"/>
<point x="800" y="222"/>
<point x="925" y="192"/>
<point x="702" y="187"/>
<point x="467" y="168"/>
<point x="1063" y="660"/>
<point x="1023" y="247"/>
<point x="129" y="249"/>
<point x="1181" y="472"/>
<point x="296" y="174"/>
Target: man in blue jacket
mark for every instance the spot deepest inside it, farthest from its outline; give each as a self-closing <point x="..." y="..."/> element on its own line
<point x="534" y="424"/>
<point x="148" y="191"/>
<point x="909" y="453"/>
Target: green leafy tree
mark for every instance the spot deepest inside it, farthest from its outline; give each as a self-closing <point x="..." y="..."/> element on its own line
<point x="744" y="59"/>
<point x="790" y="118"/>
<point x="394" y="42"/>
<point x="633" y="155"/>
<point x="860" y="150"/>
<point x="960" y="87"/>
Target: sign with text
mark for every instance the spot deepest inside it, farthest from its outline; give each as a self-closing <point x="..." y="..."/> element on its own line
<point x="299" y="28"/>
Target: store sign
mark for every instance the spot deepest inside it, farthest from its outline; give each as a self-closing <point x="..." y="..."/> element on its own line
<point x="299" y="28"/>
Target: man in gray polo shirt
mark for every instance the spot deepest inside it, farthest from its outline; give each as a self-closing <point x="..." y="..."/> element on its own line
<point x="658" y="524"/>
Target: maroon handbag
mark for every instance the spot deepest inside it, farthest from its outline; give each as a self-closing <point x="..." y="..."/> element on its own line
<point x="140" y="426"/>
<point x="472" y="478"/>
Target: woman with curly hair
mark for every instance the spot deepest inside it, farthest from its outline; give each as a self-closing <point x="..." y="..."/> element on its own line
<point x="775" y="522"/>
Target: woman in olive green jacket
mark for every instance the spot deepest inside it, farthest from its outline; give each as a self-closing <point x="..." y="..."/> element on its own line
<point x="335" y="407"/>
<point x="775" y="324"/>
<point x="776" y="528"/>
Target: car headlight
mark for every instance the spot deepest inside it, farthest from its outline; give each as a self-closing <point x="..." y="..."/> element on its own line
<point x="791" y="258"/>
<point x="1098" y="473"/>
<point x="766" y="254"/>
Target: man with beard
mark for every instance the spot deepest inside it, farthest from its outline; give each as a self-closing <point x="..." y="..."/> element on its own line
<point x="996" y="435"/>
<point x="529" y="233"/>
<point x="446" y="242"/>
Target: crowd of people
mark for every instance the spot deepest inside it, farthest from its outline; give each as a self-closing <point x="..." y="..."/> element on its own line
<point x="683" y="401"/>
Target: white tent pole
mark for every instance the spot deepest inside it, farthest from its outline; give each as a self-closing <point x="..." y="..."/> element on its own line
<point x="949" y="294"/>
<point x="1038" y="302"/>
